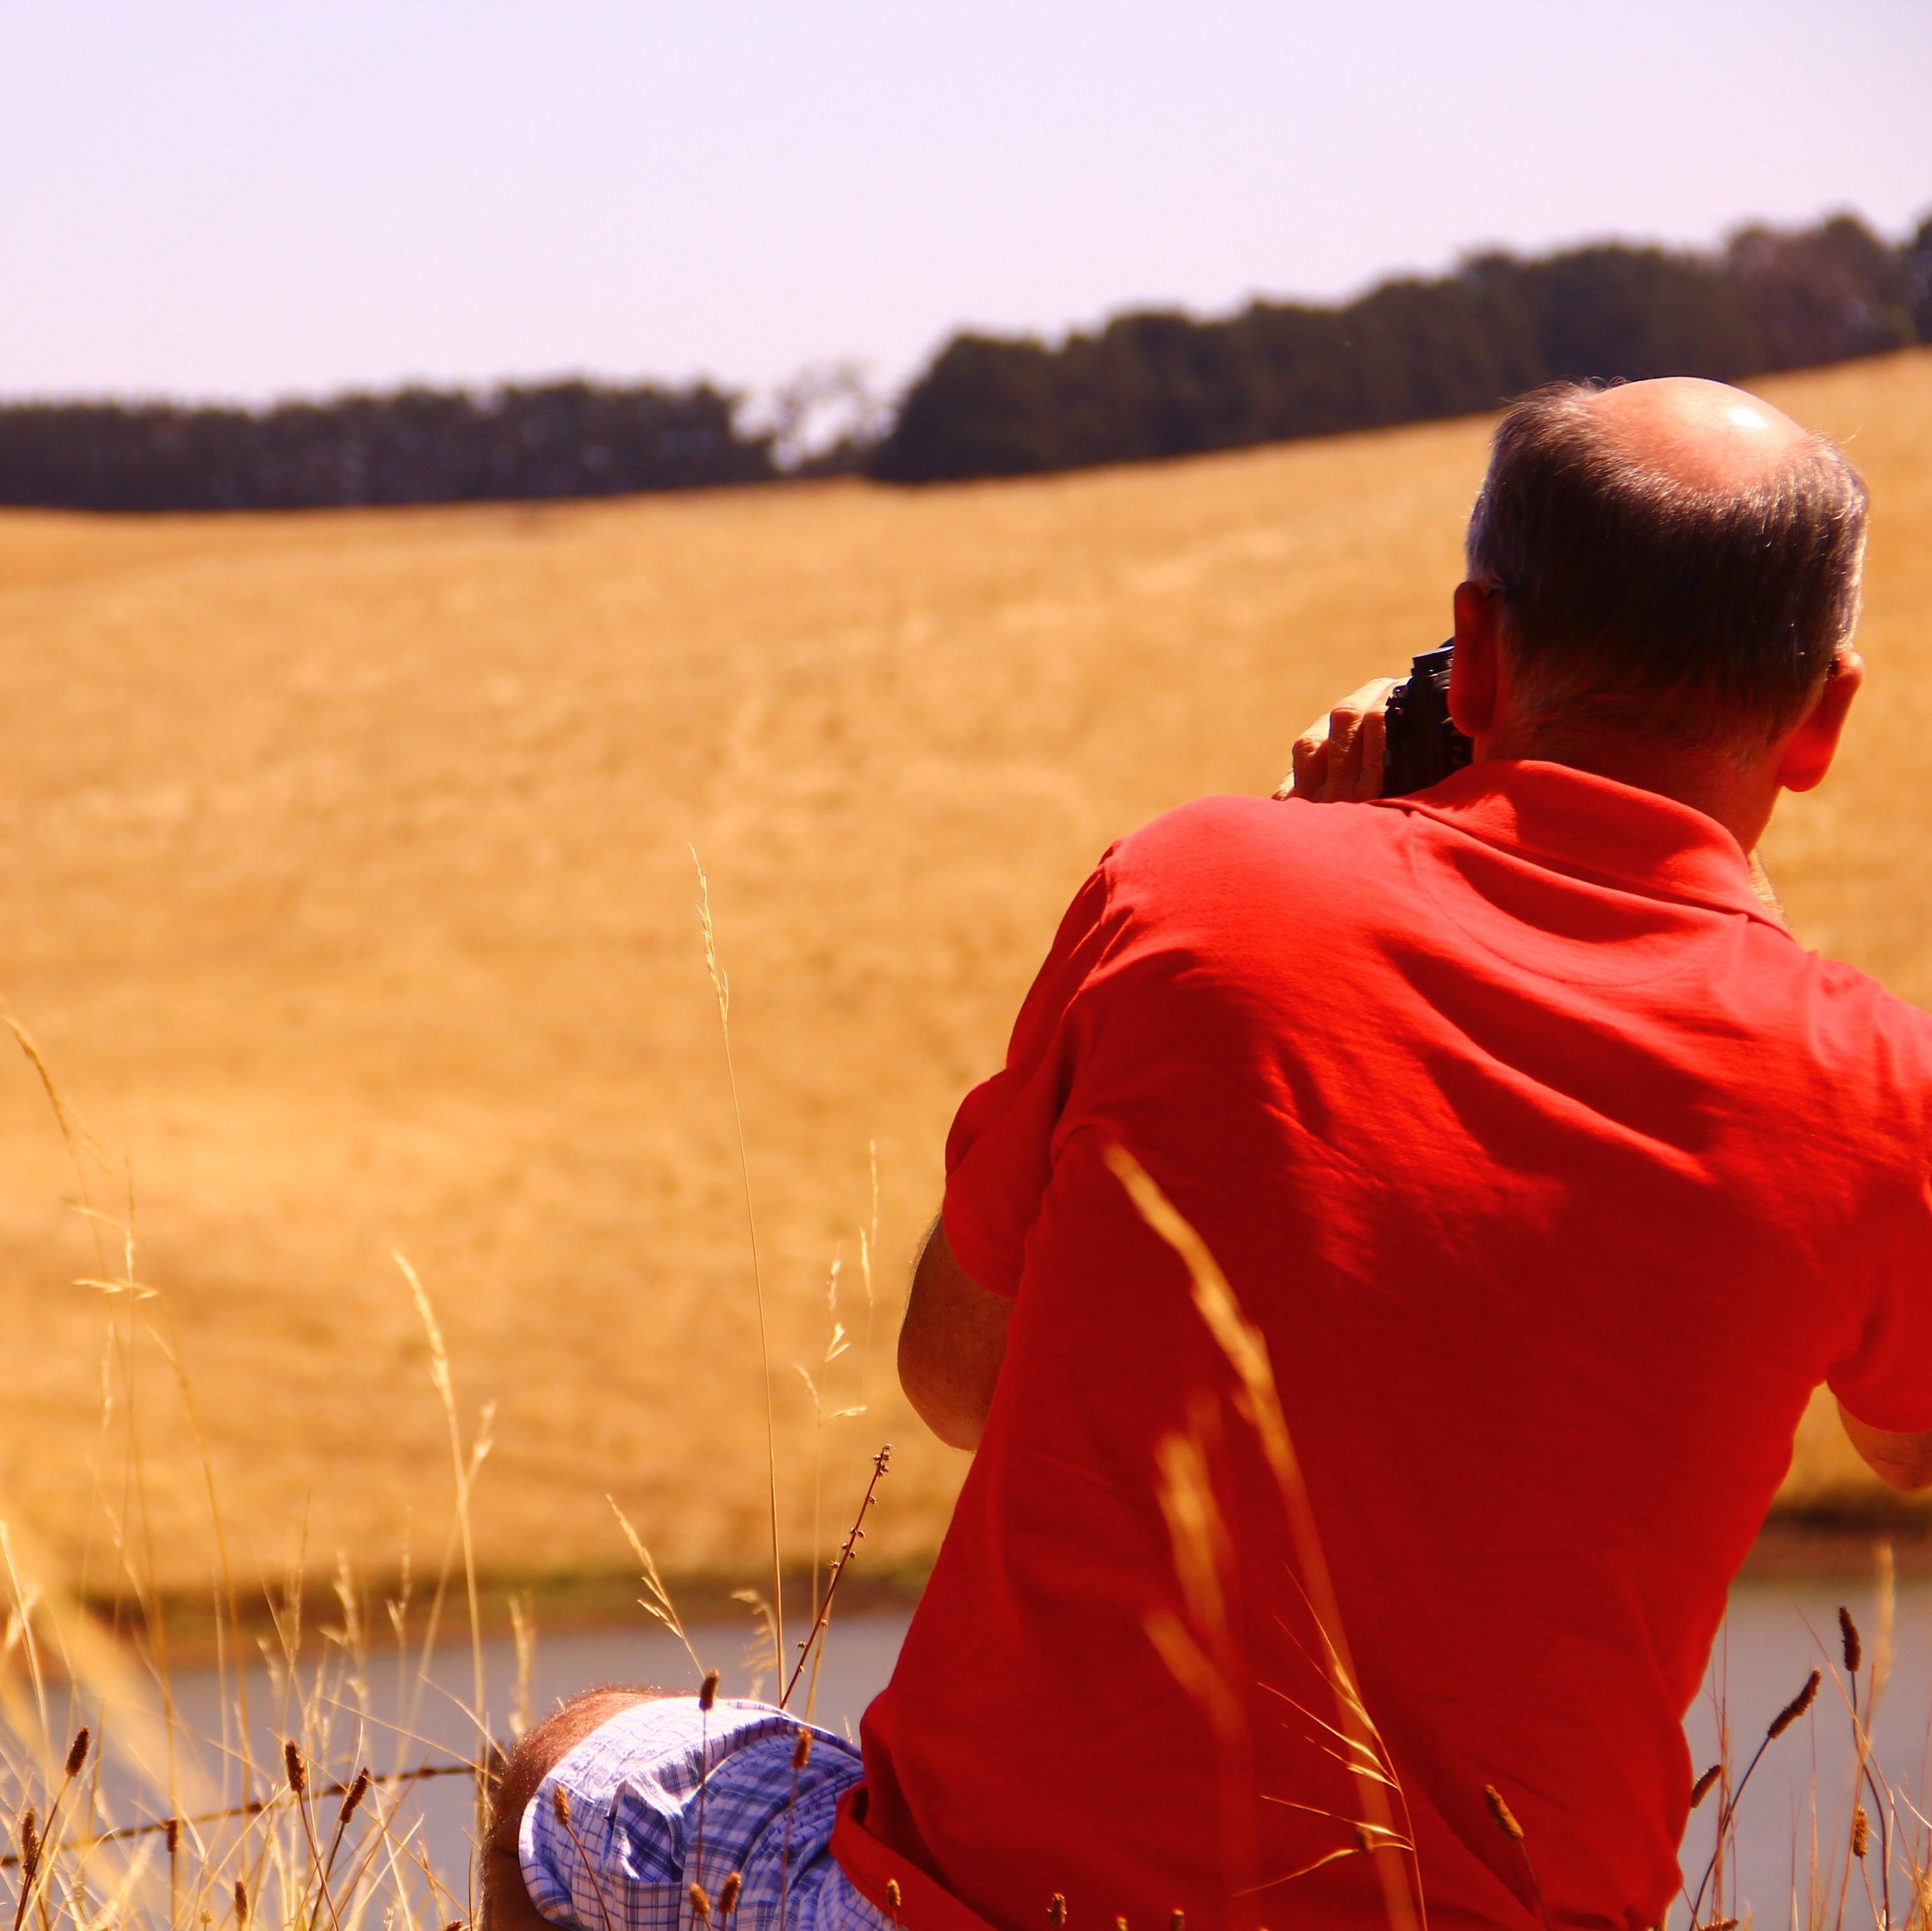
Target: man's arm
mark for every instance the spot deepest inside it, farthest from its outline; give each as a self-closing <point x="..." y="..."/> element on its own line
<point x="951" y="1345"/>
<point x="1903" y="1461"/>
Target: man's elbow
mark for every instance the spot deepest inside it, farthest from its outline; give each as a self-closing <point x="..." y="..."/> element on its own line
<point x="951" y="1345"/>
<point x="932" y="1387"/>
<point x="1901" y="1461"/>
<point x="1910" y="1473"/>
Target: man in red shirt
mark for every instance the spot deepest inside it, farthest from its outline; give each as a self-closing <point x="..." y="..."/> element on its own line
<point x="1552" y="1175"/>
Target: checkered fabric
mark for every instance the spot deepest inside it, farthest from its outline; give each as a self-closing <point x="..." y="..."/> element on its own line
<point x="665" y="1795"/>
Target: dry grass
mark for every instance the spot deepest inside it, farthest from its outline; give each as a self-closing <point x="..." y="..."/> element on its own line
<point x="348" y="894"/>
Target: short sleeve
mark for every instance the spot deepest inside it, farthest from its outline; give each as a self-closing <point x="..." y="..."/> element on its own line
<point x="999" y="1154"/>
<point x="1885" y="1380"/>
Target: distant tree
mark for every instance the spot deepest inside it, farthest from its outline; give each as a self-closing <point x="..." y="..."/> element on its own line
<point x="1298" y="373"/>
<point x="1628" y="313"/>
<point x="826" y="421"/>
<point x="985" y="408"/>
<point x="1917" y="265"/>
<point x="1822" y="294"/>
<point x="1418" y="348"/>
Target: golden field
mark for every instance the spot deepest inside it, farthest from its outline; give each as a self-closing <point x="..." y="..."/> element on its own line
<point x="348" y="897"/>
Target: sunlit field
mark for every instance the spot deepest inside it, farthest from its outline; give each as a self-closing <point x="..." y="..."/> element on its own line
<point x="348" y="900"/>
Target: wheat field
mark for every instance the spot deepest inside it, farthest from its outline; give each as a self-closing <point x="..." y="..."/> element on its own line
<point x="349" y="900"/>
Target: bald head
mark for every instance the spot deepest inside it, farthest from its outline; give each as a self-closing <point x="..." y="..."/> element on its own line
<point x="1674" y="557"/>
<point x="1704" y="435"/>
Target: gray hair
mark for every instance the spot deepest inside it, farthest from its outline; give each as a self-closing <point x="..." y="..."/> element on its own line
<point x="1696" y="615"/>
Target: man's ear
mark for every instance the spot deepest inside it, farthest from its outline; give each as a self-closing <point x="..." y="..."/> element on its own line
<point x="1473" y="670"/>
<point x="1808" y="751"/>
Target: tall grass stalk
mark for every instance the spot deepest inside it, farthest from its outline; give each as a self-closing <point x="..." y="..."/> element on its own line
<point x="720" y="987"/>
<point x="1258" y="1403"/>
<point x="1199" y="1649"/>
<point x="814" y="1642"/>
<point x="463" y="1468"/>
<point x="656" y="1601"/>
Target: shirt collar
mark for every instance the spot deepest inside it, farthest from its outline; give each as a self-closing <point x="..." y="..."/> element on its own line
<point x="1595" y="827"/>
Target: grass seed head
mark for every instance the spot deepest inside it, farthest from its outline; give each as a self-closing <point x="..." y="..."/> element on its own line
<point x="291" y="1762"/>
<point x="1861" y="1830"/>
<point x="1795" y="1708"/>
<point x="560" y="1805"/>
<point x="241" y="1900"/>
<point x="1854" y="1650"/>
<point x="173" y="1835"/>
<point x="1702" y="1787"/>
<point x="76" y="1756"/>
<point x="1504" y="1816"/>
<point x="1178" y="1922"/>
<point x="892" y="1895"/>
<point x="727" y="1895"/>
<point x="700" y="1902"/>
<point x="354" y="1795"/>
<point x="801" y="1751"/>
<point x="30" y="1844"/>
<point x="707" y="1693"/>
<point x="1056" y="1911"/>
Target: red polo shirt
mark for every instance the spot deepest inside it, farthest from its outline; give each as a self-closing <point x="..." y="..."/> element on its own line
<point x="1556" y="1176"/>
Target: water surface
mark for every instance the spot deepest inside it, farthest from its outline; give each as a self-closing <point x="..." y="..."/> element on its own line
<point x="1777" y="1631"/>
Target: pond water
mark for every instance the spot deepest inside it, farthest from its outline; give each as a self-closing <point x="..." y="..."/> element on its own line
<point x="1777" y="1631"/>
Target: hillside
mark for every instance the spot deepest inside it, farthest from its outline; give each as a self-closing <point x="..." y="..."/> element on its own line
<point x="348" y="899"/>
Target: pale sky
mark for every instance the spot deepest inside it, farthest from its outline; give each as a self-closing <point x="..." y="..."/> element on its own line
<point x="210" y="199"/>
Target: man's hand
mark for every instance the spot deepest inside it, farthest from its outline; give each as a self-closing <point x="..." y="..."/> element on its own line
<point x="951" y="1346"/>
<point x="1339" y="758"/>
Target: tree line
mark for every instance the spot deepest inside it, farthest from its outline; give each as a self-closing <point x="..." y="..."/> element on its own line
<point x="1158" y="383"/>
<point x="1148" y="384"/>
<point x="415" y="445"/>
